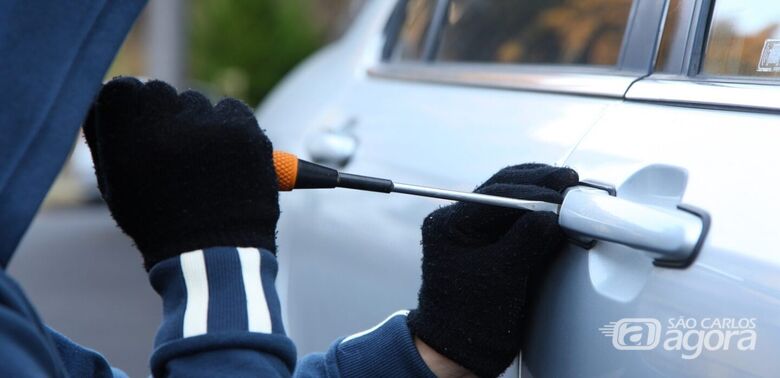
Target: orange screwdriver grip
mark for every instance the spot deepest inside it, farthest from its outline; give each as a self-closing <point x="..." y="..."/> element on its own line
<point x="286" y="166"/>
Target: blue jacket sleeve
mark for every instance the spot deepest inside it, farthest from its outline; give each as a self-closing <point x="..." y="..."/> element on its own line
<point x="30" y="349"/>
<point x="386" y="350"/>
<point x="222" y="317"/>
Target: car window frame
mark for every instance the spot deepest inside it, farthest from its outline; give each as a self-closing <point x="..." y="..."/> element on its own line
<point x="686" y="85"/>
<point x="635" y="61"/>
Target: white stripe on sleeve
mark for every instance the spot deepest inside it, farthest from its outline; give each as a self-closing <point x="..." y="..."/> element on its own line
<point x="374" y="328"/>
<point x="258" y="316"/>
<point x="193" y="268"/>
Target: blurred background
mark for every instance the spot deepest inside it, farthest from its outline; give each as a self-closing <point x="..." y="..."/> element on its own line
<point x="237" y="48"/>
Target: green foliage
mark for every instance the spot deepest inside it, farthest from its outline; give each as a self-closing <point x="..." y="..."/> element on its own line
<point x="244" y="47"/>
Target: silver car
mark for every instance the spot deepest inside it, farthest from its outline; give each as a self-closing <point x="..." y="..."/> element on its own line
<point x="669" y="109"/>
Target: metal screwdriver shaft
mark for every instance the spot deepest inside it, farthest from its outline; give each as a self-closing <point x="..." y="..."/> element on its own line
<point x="300" y="174"/>
<point x="475" y="198"/>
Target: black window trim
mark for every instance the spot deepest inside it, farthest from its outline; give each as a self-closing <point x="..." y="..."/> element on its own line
<point x="433" y="34"/>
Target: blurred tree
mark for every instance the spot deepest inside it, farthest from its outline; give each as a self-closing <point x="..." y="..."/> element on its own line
<point x="243" y="47"/>
<point x="239" y="48"/>
<point x="535" y="31"/>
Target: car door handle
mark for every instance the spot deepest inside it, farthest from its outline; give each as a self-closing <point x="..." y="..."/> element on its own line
<point x="334" y="148"/>
<point x="672" y="235"/>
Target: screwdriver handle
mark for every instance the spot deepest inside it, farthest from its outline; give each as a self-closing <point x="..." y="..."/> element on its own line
<point x="286" y="167"/>
<point x="294" y="173"/>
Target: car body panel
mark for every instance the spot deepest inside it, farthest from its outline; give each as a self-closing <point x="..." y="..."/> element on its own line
<point x="728" y="157"/>
<point x="349" y="258"/>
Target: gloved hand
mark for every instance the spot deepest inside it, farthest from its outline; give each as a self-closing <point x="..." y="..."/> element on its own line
<point x="477" y="264"/>
<point x="179" y="174"/>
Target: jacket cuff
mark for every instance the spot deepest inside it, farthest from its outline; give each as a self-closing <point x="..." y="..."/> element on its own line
<point x="386" y="350"/>
<point x="218" y="296"/>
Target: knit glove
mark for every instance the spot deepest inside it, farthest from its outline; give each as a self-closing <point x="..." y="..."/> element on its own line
<point x="478" y="266"/>
<point x="179" y="174"/>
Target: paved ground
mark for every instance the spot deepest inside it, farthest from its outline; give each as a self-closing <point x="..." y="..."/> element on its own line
<point x="86" y="280"/>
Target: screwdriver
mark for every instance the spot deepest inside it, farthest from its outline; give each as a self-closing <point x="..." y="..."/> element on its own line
<point x="294" y="173"/>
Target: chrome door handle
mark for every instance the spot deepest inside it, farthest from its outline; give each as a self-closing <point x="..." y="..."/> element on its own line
<point x="334" y="148"/>
<point x="673" y="235"/>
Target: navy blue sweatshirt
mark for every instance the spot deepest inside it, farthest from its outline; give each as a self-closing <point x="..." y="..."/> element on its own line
<point x="221" y="318"/>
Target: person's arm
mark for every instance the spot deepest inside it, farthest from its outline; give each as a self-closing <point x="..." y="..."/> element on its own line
<point x="387" y="350"/>
<point x="194" y="186"/>
<point x="30" y="349"/>
<point x="480" y="264"/>
<point x="213" y="325"/>
<point x="221" y="315"/>
<point x="440" y="365"/>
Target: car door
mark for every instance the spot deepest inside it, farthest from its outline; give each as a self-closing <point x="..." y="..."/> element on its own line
<point x="442" y="102"/>
<point x="701" y="130"/>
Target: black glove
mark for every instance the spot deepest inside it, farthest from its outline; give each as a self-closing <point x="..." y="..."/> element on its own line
<point x="180" y="175"/>
<point x="477" y="264"/>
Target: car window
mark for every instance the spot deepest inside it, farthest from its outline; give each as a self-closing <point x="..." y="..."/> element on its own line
<point x="743" y="39"/>
<point x="534" y="31"/>
<point x="416" y="20"/>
